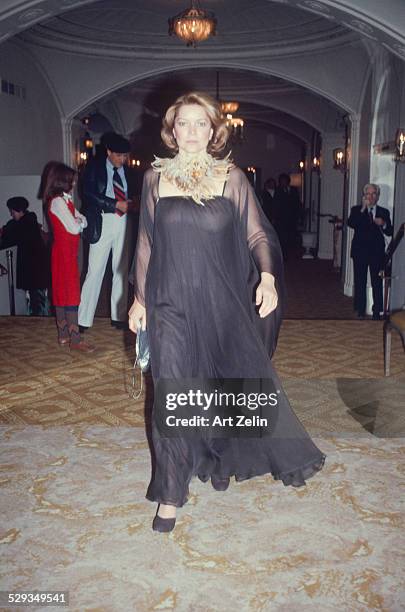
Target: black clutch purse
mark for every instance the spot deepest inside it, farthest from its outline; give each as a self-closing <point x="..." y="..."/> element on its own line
<point x="142" y="349"/>
<point x="142" y="360"/>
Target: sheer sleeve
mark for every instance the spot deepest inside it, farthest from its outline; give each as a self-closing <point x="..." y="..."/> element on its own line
<point x="145" y="233"/>
<point x="261" y="237"/>
<point x="262" y="242"/>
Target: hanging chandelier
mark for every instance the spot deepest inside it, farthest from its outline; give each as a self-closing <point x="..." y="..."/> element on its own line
<point x="193" y="25"/>
<point x="229" y="107"/>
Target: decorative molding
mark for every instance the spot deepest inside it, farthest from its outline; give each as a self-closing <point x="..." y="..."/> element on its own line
<point x="69" y="4"/>
<point x="316" y="6"/>
<point x="400" y="49"/>
<point x="43" y="36"/>
<point x="68" y="156"/>
<point x="381" y="25"/>
<point x="25" y="19"/>
<point x="363" y="28"/>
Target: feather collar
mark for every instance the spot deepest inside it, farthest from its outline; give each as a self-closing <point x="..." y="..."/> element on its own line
<point x="193" y="173"/>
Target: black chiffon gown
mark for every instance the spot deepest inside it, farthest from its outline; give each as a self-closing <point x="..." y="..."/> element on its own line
<point x="197" y="268"/>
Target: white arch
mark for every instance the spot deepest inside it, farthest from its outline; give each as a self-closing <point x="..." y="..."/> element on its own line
<point x="309" y="87"/>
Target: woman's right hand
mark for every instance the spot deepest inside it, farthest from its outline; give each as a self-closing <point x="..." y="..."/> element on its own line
<point x="137" y="314"/>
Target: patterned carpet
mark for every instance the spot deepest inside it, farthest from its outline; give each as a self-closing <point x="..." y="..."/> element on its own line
<point x="308" y="298"/>
<point x="75" y="464"/>
<point x="74" y="518"/>
<point x="335" y="367"/>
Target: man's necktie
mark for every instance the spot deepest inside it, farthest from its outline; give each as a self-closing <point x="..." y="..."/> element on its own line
<point x="370" y="215"/>
<point x="118" y="190"/>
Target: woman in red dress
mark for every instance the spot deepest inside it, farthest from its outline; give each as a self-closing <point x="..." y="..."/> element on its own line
<point x="66" y="223"/>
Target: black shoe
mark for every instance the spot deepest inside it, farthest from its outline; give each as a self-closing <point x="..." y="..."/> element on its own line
<point x="82" y="328"/>
<point x="120" y="325"/>
<point x="220" y="484"/>
<point x="376" y="317"/>
<point x="164" y="525"/>
<point x="361" y="316"/>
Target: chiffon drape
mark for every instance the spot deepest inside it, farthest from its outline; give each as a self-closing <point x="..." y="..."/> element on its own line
<point x="197" y="268"/>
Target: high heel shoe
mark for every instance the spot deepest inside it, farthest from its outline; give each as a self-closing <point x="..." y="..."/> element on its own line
<point x="164" y="525"/>
<point x="220" y="484"/>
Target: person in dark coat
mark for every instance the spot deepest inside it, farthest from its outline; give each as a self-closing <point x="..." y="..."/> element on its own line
<point x="287" y="207"/>
<point x="24" y="232"/>
<point x="370" y="223"/>
<point x="268" y="202"/>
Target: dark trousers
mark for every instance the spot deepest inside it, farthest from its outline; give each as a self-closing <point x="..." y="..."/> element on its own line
<point x="38" y="304"/>
<point x="360" y="265"/>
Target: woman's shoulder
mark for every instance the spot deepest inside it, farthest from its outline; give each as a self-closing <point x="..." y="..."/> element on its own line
<point x="150" y="180"/>
<point x="149" y="173"/>
<point x="150" y="176"/>
<point x="236" y="177"/>
<point x="235" y="171"/>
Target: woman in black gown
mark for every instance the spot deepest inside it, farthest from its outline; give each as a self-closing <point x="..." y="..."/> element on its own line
<point x="209" y="277"/>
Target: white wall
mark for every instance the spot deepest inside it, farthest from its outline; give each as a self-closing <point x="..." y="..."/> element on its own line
<point x="30" y="128"/>
<point x="365" y="141"/>
<point x="398" y="268"/>
<point x="381" y="111"/>
<point x="331" y="193"/>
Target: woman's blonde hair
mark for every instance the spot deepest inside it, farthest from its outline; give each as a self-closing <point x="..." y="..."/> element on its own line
<point x="213" y="110"/>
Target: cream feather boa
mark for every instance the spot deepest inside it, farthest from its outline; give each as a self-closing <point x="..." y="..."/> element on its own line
<point x="193" y="173"/>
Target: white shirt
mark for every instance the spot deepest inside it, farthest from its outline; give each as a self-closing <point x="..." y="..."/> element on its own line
<point x="109" y="192"/>
<point x="72" y="224"/>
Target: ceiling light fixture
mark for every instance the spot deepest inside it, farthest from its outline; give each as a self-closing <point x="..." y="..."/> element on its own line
<point x="229" y="107"/>
<point x="193" y="25"/>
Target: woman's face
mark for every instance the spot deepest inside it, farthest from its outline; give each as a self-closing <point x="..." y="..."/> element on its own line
<point x="192" y="128"/>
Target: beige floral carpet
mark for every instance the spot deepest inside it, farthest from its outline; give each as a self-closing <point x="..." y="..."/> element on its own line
<point x="75" y="464"/>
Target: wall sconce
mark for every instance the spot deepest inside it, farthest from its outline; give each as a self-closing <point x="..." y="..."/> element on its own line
<point x="252" y="175"/>
<point x="339" y="159"/>
<point x="135" y="163"/>
<point x="88" y="143"/>
<point x="302" y="165"/>
<point x="316" y="163"/>
<point x="82" y="157"/>
<point x="400" y="145"/>
<point x="236" y="126"/>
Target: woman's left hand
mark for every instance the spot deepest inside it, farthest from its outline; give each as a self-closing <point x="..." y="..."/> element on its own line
<point x="266" y="295"/>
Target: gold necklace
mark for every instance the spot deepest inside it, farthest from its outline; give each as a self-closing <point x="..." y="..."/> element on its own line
<point x="193" y="173"/>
